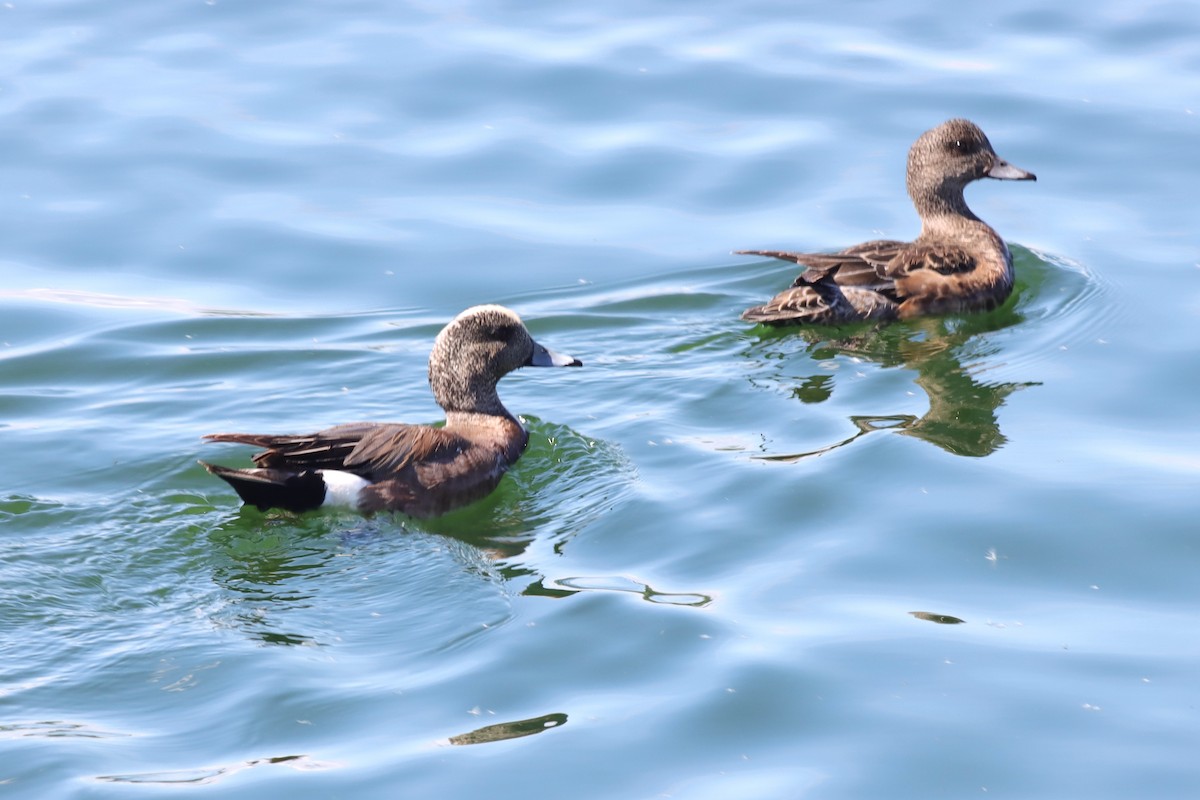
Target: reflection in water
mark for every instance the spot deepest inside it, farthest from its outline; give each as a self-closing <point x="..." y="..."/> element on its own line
<point x="510" y="730"/>
<point x="264" y="564"/>
<point x="622" y="584"/>
<point x="564" y="482"/>
<point x="944" y="352"/>
<point x="287" y="579"/>
<point x="55" y="729"/>
<point x="281" y="562"/>
<point x="941" y="619"/>
<point x="206" y="775"/>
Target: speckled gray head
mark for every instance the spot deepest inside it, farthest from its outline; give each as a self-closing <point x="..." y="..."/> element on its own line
<point x="479" y="347"/>
<point x="946" y="158"/>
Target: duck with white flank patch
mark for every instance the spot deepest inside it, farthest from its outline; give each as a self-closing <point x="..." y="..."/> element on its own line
<point x="418" y="470"/>
<point x="958" y="263"/>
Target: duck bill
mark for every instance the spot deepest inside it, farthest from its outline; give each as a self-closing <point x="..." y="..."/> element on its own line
<point x="545" y="357"/>
<point x="1002" y="170"/>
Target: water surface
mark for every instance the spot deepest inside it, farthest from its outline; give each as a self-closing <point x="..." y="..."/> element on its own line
<point x="944" y="558"/>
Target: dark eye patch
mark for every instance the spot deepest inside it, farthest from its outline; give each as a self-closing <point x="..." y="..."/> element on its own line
<point x="502" y="333"/>
<point x="964" y="146"/>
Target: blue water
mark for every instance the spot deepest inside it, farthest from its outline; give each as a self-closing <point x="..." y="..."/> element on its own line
<point x="700" y="581"/>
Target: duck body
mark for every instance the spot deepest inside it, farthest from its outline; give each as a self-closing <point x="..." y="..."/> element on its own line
<point x="419" y="470"/>
<point x="957" y="264"/>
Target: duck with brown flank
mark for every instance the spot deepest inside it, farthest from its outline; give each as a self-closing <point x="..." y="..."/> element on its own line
<point x="957" y="264"/>
<point x="418" y="470"/>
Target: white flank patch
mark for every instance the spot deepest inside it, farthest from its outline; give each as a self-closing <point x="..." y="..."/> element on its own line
<point x="342" y="488"/>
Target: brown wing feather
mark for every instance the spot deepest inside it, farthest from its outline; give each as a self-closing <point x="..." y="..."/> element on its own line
<point x="364" y="448"/>
<point x="819" y="303"/>
<point x="862" y="265"/>
<point x="393" y="448"/>
<point x="942" y="259"/>
<point x="878" y="252"/>
<point x="442" y="470"/>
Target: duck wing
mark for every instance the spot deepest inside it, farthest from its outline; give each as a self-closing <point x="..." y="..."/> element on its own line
<point x="863" y="265"/>
<point x="369" y="449"/>
<point x="822" y="303"/>
<point x="818" y="303"/>
<point x="941" y="257"/>
<point x="836" y="288"/>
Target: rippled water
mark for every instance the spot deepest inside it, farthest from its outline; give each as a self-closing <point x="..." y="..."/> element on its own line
<point x="944" y="558"/>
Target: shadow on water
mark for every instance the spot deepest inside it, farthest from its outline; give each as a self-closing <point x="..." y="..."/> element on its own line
<point x="950" y="356"/>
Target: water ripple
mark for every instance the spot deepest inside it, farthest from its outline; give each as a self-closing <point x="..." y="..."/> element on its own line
<point x="202" y="776"/>
<point x="215" y="213"/>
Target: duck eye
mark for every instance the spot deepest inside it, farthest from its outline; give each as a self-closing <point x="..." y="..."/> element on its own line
<point x="965" y="146"/>
<point x="502" y="333"/>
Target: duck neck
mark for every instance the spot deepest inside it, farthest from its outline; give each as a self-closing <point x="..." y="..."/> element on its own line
<point x="476" y="422"/>
<point x="939" y="203"/>
<point x="461" y="397"/>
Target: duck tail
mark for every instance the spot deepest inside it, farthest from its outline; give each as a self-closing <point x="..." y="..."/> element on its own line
<point x="274" y="488"/>
<point x="780" y="254"/>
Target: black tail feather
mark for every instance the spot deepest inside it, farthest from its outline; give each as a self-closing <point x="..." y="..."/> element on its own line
<point x="274" y="488"/>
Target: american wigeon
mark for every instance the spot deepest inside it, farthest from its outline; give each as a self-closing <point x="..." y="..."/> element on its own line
<point x="419" y="470"/>
<point x="957" y="264"/>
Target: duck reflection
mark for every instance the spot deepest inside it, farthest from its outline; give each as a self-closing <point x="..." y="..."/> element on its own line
<point x="940" y="619"/>
<point x="565" y="587"/>
<point x="279" y="569"/>
<point x="202" y="776"/>
<point x="270" y="565"/>
<point x="510" y="730"/>
<point x="310" y="581"/>
<point x="947" y="354"/>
